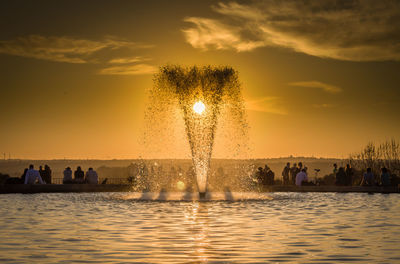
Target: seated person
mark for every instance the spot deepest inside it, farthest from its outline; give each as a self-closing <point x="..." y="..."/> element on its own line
<point x="67" y="175"/>
<point x="79" y="175"/>
<point x="32" y="176"/>
<point x="368" y="178"/>
<point x="91" y="176"/>
<point x="301" y="177"/>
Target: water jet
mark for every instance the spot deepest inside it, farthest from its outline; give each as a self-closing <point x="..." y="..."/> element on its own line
<point x="200" y="93"/>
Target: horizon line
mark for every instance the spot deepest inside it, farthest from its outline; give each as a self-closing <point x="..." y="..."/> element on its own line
<point x="127" y="159"/>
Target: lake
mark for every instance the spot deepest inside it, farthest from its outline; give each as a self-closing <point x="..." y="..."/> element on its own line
<point x="177" y="228"/>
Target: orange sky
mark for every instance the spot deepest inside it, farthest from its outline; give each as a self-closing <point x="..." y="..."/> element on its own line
<point x="318" y="80"/>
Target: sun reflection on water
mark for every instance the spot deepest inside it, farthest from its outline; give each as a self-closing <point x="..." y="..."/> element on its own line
<point x="197" y="224"/>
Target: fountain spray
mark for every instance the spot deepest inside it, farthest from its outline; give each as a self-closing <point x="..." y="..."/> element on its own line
<point x="200" y="92"/>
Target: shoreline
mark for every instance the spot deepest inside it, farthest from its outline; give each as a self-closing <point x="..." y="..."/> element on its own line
<point x="79" y="188"/>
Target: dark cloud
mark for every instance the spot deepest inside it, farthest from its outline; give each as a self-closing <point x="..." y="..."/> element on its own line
<point x="364" y="30"/>
<point x="72" y="50"/>
<point x="62" y="48"/>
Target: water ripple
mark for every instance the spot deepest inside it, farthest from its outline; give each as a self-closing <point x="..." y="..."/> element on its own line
<point x="177" y="228"/>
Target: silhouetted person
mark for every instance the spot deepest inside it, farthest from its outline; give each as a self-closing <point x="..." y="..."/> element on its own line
<point x="368" y="178"/>
<point x="341" y="177"/>
<point x="91" y="176"/>
<point x="349" y="175"/>
<point x="385" y="177"/>
<point x="41" y="172"/>
<point x="335" y="169"/>
<point x="285" y="174"/>
<point x="32" y="176"/>
<point x="67" y="176"/>
<point x="260" y="175"/>
<point x="23" y="176"/>
<point x="299" y="167"/>
<point x="269" y="175"/>
<point x="79" y="175"/>
<point x="301" y="177"/>
<point x="293" y="173"/>
<point x="47" y="174"/>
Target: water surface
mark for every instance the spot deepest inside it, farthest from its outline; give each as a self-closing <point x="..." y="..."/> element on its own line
<point x="230" y="228"/>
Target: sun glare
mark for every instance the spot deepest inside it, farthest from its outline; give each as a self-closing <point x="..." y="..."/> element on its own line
<point x="199" y="107"/>
<point x="180" y="185"/>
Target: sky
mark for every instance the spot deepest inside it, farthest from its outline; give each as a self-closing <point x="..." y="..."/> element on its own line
<point x="319" y="78"/>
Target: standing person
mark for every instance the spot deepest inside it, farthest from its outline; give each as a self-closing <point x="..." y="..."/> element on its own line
<point x="293" y="173"/>
<point x="79" y="175"/>
<point x="341" y="177"/>
<point x="269" y="175"/>
<point x="47" y="174"/>
<point x="335" y="169"/>
<point x="41" y="172"/>
<point x="349" y="175"/>
<point x="300" y="167"/>
<point x="91" y="176"/>
<point x="260" y="176"/>
<point x="368" y="178"/>
<point x="67" y="175"/>
<point x="385" y="177"/>
<point x="285" y="174"/>
<point x="32" y="176"/>
<point x="301" y="177"/>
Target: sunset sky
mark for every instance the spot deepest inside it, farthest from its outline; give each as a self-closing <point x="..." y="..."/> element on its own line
<point x="319" y="79"/>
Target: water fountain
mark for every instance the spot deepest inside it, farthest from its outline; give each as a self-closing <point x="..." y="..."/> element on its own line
<point x="200" y="93"/>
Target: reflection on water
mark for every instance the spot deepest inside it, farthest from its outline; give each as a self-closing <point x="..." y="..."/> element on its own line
<point x="248" y="228"/>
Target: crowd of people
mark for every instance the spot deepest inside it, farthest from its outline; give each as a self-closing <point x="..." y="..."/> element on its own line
<point x="43" y="175"/>
<point x="369" y="178"/>
<point x="265" y="176"/>
<point x="344" y="176"/>
<point x="295" y="175"/>
<point x="291" y="175"/>
<point x="90" y="177"/>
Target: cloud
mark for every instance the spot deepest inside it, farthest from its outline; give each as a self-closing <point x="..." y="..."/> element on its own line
<point x="364" y="30"/>
<point x="329" y="88"/>
<point x="73" y="50"/>
<point x="210" y="33"/>
<point x="128" y="60"/>
<point x="62" y="49"/>
<point x="137" y="69"/>
<point x="270" y="105"/>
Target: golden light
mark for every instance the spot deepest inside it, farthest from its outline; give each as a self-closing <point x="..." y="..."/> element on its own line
<point x="199" y="107"/>
<point x="180" y="185"/>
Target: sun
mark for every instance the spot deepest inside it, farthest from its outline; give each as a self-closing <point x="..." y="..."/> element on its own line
<point x="199" y="107"/>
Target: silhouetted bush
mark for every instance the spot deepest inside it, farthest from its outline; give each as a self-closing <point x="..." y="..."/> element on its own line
<point x="376" y="157"/>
